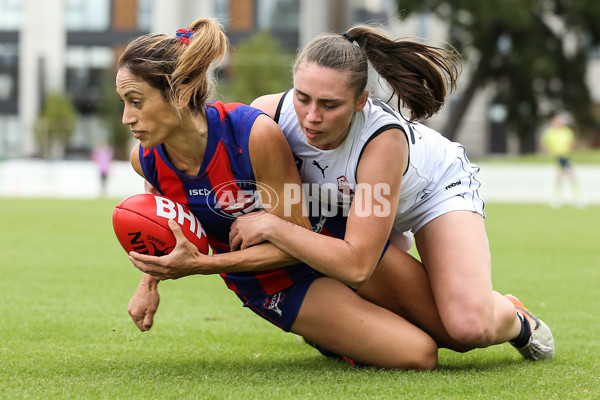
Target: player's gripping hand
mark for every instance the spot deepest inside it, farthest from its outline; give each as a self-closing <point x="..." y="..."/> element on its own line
<point x="250" y="229"/>
<point x="144" y="303"/>
<point x="184" y="260"/>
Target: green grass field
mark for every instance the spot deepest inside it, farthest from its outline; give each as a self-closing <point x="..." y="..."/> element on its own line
<point x="65" y="332"/>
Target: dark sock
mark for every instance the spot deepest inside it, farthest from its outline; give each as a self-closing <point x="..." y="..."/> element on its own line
<point x="523" y="337"/>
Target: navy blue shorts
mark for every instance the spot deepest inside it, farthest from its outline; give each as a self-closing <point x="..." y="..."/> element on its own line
<point x="281" y="308"/>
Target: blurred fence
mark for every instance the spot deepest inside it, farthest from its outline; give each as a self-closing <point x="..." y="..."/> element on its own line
<point x="509" y="183"/>
<point x="69" y="179"/>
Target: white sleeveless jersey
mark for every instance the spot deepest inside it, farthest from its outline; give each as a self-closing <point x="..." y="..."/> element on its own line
<point x="431" y="157"/>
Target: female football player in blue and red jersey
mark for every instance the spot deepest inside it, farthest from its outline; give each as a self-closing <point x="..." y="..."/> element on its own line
<point x="223" y="160"/>
<point x="388" y="175"/>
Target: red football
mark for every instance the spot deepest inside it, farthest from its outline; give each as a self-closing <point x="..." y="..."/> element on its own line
<point x="141" y="225"/>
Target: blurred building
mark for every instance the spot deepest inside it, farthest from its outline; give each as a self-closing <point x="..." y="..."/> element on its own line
<point x="60" y="45"/>
<point x="72" y="46"/>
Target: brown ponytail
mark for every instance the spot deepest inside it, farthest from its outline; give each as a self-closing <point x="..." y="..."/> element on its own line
<point x="178" y="68"/>
<point x="208" y="45"/>
<point x="418" y="74"/>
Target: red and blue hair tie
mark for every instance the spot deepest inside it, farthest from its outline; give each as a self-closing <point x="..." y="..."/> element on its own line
<point x="184" y="35"/>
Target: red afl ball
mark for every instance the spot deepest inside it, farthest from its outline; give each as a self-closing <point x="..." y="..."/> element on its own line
<point x="141" y="225"/>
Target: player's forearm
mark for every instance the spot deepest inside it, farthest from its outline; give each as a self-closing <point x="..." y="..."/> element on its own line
<point x="333" y="257"/>
<point x="148" y="281"/>
<point x="256" y="258"/>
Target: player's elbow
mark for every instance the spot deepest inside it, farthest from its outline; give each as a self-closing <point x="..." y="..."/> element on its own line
<point x="359" y="274"/>
<point x="355" y="265"/>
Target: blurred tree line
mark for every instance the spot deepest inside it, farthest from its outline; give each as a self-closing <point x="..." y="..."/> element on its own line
<point x="55" y="124"/>
<point x="110" y="110"/>
<point x="533" y="53"/>
<point x="258" y="66"/>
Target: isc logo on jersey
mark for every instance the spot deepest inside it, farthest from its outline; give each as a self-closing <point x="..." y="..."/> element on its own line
<point x="199" y="192"/>
<point x="170" y="210"/>
<point x="241" y="197"/>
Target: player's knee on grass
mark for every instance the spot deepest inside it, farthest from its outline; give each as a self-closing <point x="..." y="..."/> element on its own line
<point x="471" y="331"/>
<point x="428" y="360"/>
<point x="422" y="356"/>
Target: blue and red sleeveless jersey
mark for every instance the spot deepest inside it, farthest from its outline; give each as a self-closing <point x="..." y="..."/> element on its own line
<point x="223" y="189"/>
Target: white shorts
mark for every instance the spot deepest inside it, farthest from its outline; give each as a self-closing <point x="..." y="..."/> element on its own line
<point x="454" y="188"/>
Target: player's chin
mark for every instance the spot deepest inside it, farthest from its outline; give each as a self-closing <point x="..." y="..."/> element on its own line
<point x="147" y="144"/>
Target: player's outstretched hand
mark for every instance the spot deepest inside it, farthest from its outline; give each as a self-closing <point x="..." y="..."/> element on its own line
<point x="144" y="303"/>
<point x="184" y="260"/>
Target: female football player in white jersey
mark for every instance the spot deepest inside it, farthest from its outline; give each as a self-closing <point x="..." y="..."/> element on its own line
<point x="392" y="175"/>
<point x="389" y="176"/>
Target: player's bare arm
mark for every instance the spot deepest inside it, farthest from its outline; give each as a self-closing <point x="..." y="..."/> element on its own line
<point x="366" y="233"/>
<point x="274" y="168"/>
